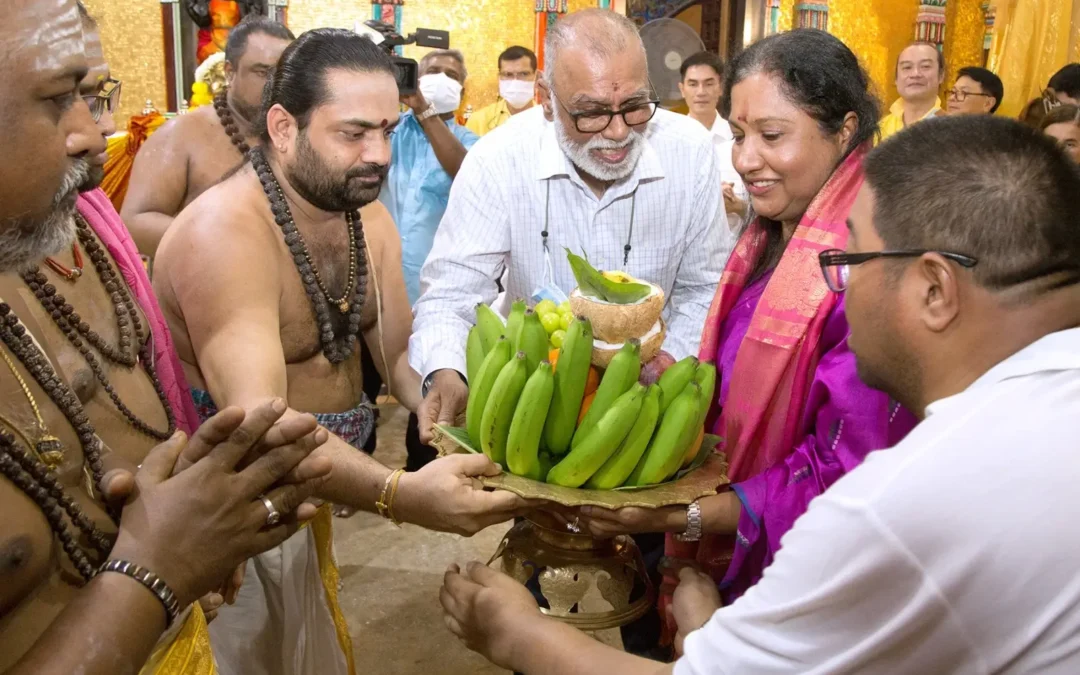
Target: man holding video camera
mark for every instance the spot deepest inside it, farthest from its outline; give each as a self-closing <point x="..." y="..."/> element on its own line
<point x="428" y="147"/>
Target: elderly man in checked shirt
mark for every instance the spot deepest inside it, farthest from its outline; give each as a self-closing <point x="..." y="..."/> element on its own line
<point x="599" y="170"/>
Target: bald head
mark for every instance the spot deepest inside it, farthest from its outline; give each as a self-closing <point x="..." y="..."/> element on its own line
<point x="595" y="33"/>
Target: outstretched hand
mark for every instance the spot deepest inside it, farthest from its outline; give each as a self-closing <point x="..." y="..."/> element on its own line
<point x="487" y="610"/>
<point x="446" y="496"/>
<point x="696" y="600"/>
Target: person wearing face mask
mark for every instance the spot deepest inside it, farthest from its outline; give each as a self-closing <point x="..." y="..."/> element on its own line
<point x="920" y="72"/>
<point x="427" y="148"/>
<point x="517" y="90"/>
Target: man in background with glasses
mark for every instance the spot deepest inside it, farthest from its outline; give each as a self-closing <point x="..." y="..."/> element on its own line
<point x="977" y="92"/>
<point x="595" y="169"/>
<point x="954" y="551"/>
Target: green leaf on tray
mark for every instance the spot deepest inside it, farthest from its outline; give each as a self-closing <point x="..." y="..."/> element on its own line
<point x="461" y="438"/>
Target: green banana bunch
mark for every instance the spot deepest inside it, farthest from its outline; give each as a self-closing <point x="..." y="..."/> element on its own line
<point x="584" y="460"/>
<point x="480" y="389"/>
<point x="619" y="466"/>
<point x="500" y="407"/>
<point x="623" y="371"/>
<point x="474" y="354"/>
<point x="677" y="431"/>
<point x="571" y="375"/>
<point x="675" y="379"/>
<point x="514" y="322"/>
<point x="595" y="285"/>
<point x="523" y="443"/>
<point x="533" y="340"/>
<point x="490" y="324"/>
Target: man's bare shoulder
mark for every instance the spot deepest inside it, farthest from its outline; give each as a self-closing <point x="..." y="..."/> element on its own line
<point x="231" y="217"/>
<point x="184" y="128"/>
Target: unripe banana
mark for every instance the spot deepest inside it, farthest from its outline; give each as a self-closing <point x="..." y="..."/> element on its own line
<point x="543" y="467"/>
<point x="675" y="379"/>
<point x="669" y="443"/>
<point x="533" y="340"/>
<point x="705" y="377"/>
<point x="491" y="326"/>
<point x="480" y="390"/>
<point x="609" y="433"/>
<point x="474" y="355"/>
<point x="500" y="407"/>
<point x="571" y="375"/>
<point x="523" y="443"/>
<point x="514" y="322"/>
<point x="623" y="371"/>
<point x="619" y="466"/>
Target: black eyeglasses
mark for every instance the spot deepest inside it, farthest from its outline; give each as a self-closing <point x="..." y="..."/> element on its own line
<point x="106" y="99"/>
<point x="960" y="95"/>
<point x="836" y="264"/>
<point x="595" y="122"/>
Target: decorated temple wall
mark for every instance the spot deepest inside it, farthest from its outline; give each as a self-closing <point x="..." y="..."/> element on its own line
<point x="481" y="29"/>
<point x="132" y="33"/>
<point x="878" y="30"/>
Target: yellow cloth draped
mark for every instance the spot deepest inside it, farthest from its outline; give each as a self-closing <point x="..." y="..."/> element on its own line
<point x="122" y="151"/>
<point x="1032" y="40"/>
<point x="322" y="527"/>
<point x="188" y="653"/>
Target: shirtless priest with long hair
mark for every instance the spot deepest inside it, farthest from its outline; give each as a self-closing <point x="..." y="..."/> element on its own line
<point x="276" y="303"/>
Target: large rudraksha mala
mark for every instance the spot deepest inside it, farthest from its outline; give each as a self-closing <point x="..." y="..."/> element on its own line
<point x="337" y="348"/>
<point x="225" y="116"/>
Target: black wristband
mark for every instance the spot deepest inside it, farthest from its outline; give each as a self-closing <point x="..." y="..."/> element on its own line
<point x="151" y="581"/>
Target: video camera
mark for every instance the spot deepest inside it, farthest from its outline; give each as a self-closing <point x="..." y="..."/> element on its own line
<point x="406" y="71"/>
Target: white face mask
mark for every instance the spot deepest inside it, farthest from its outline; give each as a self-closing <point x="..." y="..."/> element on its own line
<point x="518" y="93"/>
<point x="442" y="92"/>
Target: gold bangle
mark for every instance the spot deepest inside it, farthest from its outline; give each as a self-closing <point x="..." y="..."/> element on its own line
<point x="386" y="498"/>
<point x="393" y="495"/>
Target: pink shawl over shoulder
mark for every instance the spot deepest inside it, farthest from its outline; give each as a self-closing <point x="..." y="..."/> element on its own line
<point x="101" y="215"/>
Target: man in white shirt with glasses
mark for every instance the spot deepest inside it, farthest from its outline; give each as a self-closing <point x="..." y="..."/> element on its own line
<point x="595" y="169"/>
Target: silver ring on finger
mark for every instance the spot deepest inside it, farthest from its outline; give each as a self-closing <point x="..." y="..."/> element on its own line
<point x="273" y="516"/>
<point x="575" y="526"/>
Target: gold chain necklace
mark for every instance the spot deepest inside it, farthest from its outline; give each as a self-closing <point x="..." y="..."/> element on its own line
<point x="48" y="447"/>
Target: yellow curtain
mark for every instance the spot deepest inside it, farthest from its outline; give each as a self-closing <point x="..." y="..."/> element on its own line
<point x="1032" y="40"/>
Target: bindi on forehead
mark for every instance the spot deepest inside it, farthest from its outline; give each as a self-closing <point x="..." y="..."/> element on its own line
<point x="384" y="123"/>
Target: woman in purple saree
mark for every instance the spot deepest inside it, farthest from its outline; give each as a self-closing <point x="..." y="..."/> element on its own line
<point x="790" y="407"/>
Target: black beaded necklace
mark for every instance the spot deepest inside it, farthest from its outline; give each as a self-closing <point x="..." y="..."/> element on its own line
<point x="336" y="348"/>
<point x="34" y="479"/>
<point x="225" y="116"/>
<point x="21" y="344"/>
<point x="79" y="333"/>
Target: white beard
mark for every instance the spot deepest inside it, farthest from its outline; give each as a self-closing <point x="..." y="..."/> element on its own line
<point x="20" y="249"/>
<point x="580" y="154"/>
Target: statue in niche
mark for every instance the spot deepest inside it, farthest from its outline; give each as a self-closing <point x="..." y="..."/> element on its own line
<point x="216" y="18"/>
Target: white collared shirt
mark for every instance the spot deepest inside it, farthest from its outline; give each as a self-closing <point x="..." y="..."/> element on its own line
<point x="497" y="212"/>
<point x="723" y="140"/>
<point x="957" y="551"/>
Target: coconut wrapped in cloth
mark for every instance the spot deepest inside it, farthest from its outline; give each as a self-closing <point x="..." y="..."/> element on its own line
<point x="620" y="307"/>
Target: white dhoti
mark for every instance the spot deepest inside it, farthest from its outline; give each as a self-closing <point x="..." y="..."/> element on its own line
<point x="286" y="620"/>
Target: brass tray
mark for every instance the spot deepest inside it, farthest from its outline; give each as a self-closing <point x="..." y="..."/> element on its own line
<point x="702" y="478"/>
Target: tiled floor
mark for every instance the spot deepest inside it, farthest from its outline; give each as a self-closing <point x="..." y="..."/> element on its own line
<point x="391" y="580"/>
